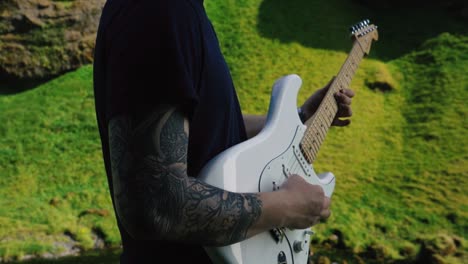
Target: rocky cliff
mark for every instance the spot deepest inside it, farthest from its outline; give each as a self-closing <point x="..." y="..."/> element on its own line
<point x="44" y="38"/>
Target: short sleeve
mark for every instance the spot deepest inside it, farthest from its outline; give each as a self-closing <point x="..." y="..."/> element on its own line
<point x="154" y="57"/>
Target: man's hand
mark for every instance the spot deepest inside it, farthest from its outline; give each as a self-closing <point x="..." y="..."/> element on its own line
<point x="343" y="99"/>
<point x="255" y="123"/>
<point x="307" y="203"/>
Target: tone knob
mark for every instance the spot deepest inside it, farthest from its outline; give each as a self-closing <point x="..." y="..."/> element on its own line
<point x="298" y="246"/>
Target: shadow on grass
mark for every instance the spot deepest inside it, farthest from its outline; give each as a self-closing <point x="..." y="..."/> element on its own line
<point x="93" y="257"/>
<point x="324" y="24"/>
<point x="14" y="85"/>
<point x="8" y="87"/>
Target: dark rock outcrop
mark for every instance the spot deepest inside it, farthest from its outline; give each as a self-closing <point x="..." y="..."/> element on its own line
<point x="458" y="8"/>
<point x="40" y="39"/>
<point x="439" y="249"/>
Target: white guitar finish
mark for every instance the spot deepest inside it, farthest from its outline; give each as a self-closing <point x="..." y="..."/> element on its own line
<point x="285" y="146"/>
<point x="261" y="164"/>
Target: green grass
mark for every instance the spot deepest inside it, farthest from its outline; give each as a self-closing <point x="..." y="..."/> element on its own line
<point x="94" y="257"/>
<point x="51" y="169"/>
<point x="401" y="166"/>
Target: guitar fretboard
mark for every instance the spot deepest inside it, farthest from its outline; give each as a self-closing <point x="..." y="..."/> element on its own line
<point x="320" y="122"/>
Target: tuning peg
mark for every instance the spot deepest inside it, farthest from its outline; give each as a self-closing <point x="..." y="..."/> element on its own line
<point x="359" y="26"/>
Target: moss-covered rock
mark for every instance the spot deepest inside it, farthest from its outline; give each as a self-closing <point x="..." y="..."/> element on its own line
<point x="44" y="38"/>
<point x="438" y="249"/>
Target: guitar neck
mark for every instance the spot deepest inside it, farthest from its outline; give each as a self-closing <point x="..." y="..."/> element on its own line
<point x="320" y="122"/>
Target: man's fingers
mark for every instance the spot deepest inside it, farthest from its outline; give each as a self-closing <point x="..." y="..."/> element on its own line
<point x="325" y="214"/>
<point x="341" y="98"/>
<point x="348" y="92"/>
<point x="341" y="122"/>
<point x="326" y="203"/>
<point x="316" y="220"/>
<point x="344" y="110"/>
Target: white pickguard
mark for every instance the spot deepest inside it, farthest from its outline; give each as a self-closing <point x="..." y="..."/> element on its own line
<point x="261" y="164"/>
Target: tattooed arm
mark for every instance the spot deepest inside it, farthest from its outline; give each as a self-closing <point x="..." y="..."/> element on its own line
<point x="155" y="199"/>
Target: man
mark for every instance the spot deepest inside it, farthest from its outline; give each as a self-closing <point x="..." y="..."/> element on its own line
<point x="166" y="105"/>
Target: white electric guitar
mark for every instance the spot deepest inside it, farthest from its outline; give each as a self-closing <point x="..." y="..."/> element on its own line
<point x="284" y="146"/>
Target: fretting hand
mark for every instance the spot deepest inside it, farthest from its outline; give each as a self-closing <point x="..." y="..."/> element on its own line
<point x="343" y="99"/>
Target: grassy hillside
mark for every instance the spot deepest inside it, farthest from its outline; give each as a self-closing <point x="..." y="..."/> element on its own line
<point x="401" y="166"/>
<point x="51" y="169"/>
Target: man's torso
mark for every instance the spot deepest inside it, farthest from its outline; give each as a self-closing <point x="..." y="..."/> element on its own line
<point x="152" y="52"/>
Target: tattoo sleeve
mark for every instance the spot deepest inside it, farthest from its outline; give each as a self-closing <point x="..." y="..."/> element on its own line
<point x="155" y="199"/>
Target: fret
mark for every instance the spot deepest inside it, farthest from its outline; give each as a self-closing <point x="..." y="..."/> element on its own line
<point x="319" y="124"/>
<point x="326" y="117"/>
<point x="327" y="124"/>
<point x="357" y="54"/>
<point x="329" y="112"/>
<point x="305" y="145"/>
<point x="329" y="108"/>
<point x="311" y="131"/>
<point x="353" y="66"/>
<point x="344" y="81"/>
<point x="310" y="144"/>
<point x="315" y="143"/>
<point x="323" y="124"/>
<point x="321" y="127"/>
<point x="314" y="154"/>
<point x="354" y="59"/>
<point x="353" y="63"/>
<point x="316" y="134"/>
<point x="310" y="155"/>
<point x="304" y="152"/>
<point x="314" y="146"/>
<point x="347" y="78"/>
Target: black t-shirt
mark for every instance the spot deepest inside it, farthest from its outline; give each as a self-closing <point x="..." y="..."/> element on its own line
<point x="152" y="52"/>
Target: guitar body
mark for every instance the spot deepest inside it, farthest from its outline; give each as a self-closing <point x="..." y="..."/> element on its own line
<point x="262" y="164"/>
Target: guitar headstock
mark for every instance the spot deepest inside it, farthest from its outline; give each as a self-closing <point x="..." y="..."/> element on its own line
<point x="364" y="33"/>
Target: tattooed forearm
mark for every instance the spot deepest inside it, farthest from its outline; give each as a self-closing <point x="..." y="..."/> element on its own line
<point x="155" y="198"/>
